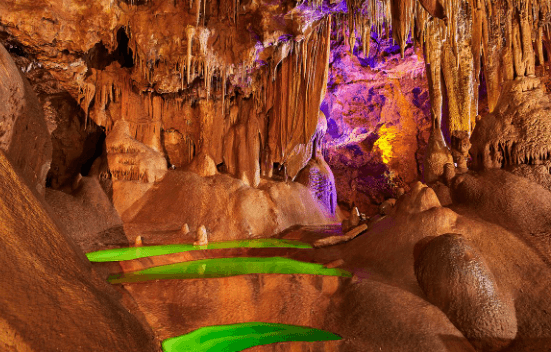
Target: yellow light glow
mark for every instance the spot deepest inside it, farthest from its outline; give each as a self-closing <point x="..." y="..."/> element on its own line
<point x="384" y="143"/>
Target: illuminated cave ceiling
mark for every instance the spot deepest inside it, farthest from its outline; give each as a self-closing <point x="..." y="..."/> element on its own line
<point x="240" y="82"/>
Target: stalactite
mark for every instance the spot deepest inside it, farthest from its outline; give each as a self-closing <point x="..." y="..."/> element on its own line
<point x="434" y="35"/>
<point x="293" y="102"/>
<point x="366" y="36"/>
<point x="402" y="12"/>
<point x="287" y="96"/>
<point x="539" y="45"/>
<point x="526" y="20"/>
<point x="87" y="93"/>
<point x="190" y="32"/>
<point x="198" y="9"/>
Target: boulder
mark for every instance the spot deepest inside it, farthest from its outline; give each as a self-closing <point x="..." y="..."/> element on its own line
<point x="455" y="277"/>
<point x="420" y="198"/>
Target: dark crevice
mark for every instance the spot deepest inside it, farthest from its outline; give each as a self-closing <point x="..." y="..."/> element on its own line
<point x="75" y="148"/>
<point x="99" y="56"/>
<point x="222" y="168"/>
<point x="12" y="46"/>
<point x="99" y="151"/>
<point x="136" y="2"/>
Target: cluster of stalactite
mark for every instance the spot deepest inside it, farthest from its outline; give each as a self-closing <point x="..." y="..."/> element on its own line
<point x="292" y="94"/>
<point x="247" y="117"/>
<point x="246" y="132"/>
<point x="461" y="38"/>
<point x="501" y="37"/>
<point x="178" y="58"/>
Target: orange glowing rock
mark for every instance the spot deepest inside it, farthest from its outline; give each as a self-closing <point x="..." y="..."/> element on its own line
<point x="384" y="143"/>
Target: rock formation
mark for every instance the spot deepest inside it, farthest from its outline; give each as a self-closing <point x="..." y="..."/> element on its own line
<point x="455" y="278"/>
<point x="202" y="239"/>
<point x="51" y="297"/>
<point x="23" y="133"/>
<point x="514" y="136"/>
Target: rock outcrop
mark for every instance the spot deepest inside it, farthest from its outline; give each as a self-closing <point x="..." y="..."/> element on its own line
<point x="455" y="277"/>
<point x="24" y="136"/>
<point x="229" y="208"/>
<point x="51" y="298"/>
<point x="419" y="199"/>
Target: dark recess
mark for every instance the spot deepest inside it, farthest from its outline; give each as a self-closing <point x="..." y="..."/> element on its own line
<point x="99" y="57"/>
<point x="100" y="147"/>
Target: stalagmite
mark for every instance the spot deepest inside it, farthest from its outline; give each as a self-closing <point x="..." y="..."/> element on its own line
<point x="354" y="217"/>
<point x="185" y="229"/>
<point x="202" y="238"/>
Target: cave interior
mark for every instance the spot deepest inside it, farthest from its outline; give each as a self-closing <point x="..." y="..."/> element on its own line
<point x="275" y="175"/>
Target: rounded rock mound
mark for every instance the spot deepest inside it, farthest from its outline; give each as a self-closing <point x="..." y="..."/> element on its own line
<point x="455" y="278"/>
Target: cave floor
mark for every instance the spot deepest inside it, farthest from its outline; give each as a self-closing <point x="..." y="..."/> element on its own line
<point x="176" y="307"/>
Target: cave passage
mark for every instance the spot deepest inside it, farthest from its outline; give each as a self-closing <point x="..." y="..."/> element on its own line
<point x="224" y="267"/>
<point x="130" y="253"/>
<point x="237" y="337"/>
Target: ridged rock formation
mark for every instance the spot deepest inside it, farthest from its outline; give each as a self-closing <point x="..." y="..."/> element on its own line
<point x="518" y="131"/>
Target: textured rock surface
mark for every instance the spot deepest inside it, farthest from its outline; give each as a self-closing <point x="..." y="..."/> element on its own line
<point x="419" y="199"/>
<point x="225" y="303"/>
<point x="130" y="160"/>
<point x="87" y="215"/>
<point x="227" y="207"/>
<point x="455" y="277"/>
<point x="23" y="133"/>
<point x="385" y="255"/>
<point x="511" y="201"/>
<point x="51" y="299"/>
<point x="231" y="91"/>
<point x="515" y="136"/>
<point x="76" y="140"/>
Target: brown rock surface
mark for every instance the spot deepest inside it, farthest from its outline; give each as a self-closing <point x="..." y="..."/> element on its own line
<point x="23" y="133"/>
<point x="87" y="215"/>
<point x="231" y="91"/>
<point x="226" y="206"/>
<point x="386" y="254"/>
<point x="51" y="299"/>
<point x="419" y="199"/>
<point x="455" y="277"/>
<point x="275" y="298"/>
